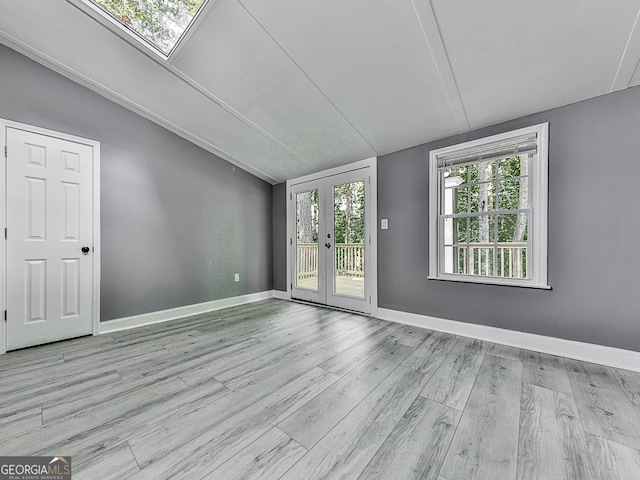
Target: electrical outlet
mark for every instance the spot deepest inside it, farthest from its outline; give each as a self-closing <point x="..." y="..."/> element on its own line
<point x="384" y="223"/>
<point x="237" y="277"/>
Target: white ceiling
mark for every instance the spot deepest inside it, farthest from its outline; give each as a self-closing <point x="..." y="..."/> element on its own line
<point x="284" y="88"/>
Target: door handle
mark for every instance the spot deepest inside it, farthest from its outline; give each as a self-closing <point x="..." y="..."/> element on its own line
<point x="328" y="245"/>
<point x="85" y="250"/>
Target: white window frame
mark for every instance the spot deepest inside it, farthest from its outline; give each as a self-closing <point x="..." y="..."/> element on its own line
<point x="538" y="234"/>
<point x="137" y="39"/>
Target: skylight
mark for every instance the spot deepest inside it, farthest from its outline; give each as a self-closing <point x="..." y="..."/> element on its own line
<point x="160" y="22"/>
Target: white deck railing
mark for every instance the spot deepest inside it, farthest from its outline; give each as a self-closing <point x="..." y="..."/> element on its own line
<point x="349" y="259"/>
<point x="307" y="260"/>
<point x="508" y="258"/>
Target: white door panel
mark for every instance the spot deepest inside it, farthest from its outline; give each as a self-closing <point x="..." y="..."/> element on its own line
<point x="348" y="283"/>
<point x="309" y="253"/>
<point x="49" y="221"/>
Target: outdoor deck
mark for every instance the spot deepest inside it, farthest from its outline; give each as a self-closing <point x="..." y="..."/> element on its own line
<point x="345" y="285"/>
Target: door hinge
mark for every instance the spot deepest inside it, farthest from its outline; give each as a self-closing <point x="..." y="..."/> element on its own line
<point x="291" y="241"/>
<point x="5" y="151"/>
<point x="5" y="233"/>
<point x="291" y="196"/>
<point x="5" y="315"/>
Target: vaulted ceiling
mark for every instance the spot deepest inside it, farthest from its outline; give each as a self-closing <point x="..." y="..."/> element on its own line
<point x="284" y="88"/>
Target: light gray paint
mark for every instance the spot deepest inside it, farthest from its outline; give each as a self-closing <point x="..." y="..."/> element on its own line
<point x="279" y="204"/>
<point x="594" y="260"/>
<point x="177" y="221"/>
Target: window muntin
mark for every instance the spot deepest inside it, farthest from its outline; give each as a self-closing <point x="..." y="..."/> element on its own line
<point x="160" y="23"/>
<point x="485" y="198"/>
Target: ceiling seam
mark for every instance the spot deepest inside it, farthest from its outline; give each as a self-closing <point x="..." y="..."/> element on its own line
<point x="435" y="43"/>
<point x="309" y="78"/>
<point x="123" y="101"/>
<point x="624" y="74"/>
<point x="199" y="88"/>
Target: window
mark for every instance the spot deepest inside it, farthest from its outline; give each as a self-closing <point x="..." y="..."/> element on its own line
<point x="488" y="210"/>
<point x="159" y="23"/>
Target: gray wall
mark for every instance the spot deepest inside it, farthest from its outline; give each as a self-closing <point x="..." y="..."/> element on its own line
<point x="594" y="231"/>
<point x="177" y="222"/>
<point x="279" y="203"/>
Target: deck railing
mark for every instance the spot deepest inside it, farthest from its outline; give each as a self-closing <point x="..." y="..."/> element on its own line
<point x="307" y="260"/>
<point x="505" y="259"/>
<point x="349" y="259"/>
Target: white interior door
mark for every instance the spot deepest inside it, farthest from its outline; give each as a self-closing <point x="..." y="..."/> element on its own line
<point x="49" y="239"/>
<point x="331" y="240"/>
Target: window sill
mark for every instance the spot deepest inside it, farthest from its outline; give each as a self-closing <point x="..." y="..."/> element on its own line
<point x="489" y="281"/>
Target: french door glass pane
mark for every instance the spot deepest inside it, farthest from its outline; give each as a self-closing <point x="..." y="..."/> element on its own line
<point x="349" y="236"/>
<point x="307" y="240"/>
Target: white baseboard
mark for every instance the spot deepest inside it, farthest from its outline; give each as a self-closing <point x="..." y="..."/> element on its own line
<point x="586" y="352"/>
<point x="180" y="312"/>
<point x="281" y="295"/>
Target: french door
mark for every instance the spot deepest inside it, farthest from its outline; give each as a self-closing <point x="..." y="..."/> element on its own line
<point x="330" y="240"/>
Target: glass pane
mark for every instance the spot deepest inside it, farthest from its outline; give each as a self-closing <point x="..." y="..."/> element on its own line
<point x="448" y="231"/>
<point x="460" y="239"/>
<point x="513" y="166"/>
<point x="348" y="228"/>
<point x="160" y="22"/>
<point x="480" y="229"/>
<point x="482" y="171"/>
<point x="463" y="257"/>
<point x="461" y="230"/>
<point x="449" y="256"/>
<point x="447" y="206"/>
<point x="480" y="256"/>
<point x="461" y="198"/>
<point x="513" y="194"/>
<point x="512" y="245"/>
<point x="307" y="240"/>
<point x="483" y="197"/>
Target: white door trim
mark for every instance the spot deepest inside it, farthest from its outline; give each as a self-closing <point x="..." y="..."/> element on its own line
<point x="372" y="220"/>
<point x="95" y="146"/>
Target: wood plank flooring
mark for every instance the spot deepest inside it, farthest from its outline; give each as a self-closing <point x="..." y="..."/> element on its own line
<point x="279" y="390"/>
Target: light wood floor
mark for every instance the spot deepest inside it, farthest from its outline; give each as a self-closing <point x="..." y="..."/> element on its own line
<point x="280" y="390"/>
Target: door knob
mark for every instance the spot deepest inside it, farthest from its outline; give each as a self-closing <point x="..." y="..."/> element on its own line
<point x="85" y="250"/>
<point x="328" y="245"/>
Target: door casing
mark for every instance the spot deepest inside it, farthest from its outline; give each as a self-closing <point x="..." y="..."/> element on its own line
<point x="95" y="146"/>
<point x="371" y="220"/>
